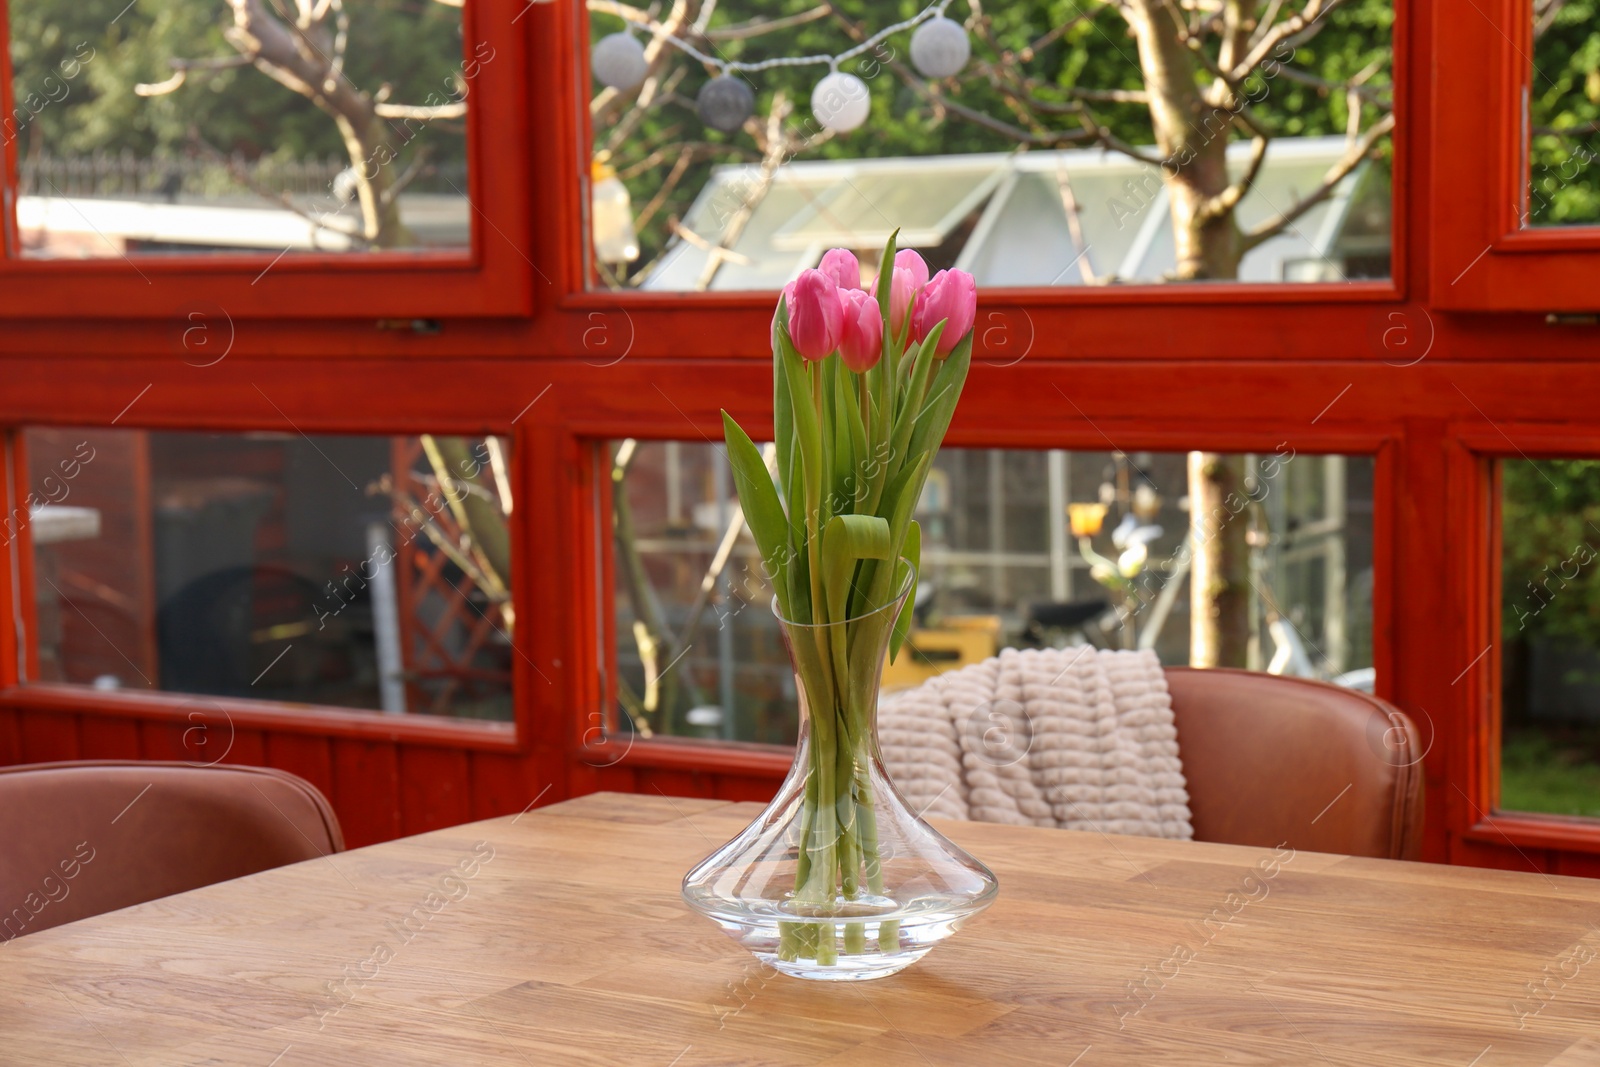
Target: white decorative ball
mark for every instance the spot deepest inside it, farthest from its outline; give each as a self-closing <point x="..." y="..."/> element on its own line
<point x="939" y="48"/>
<point x="618" y="61"/>
<point x="841" y="102"/>
<point x="725" y="102"/>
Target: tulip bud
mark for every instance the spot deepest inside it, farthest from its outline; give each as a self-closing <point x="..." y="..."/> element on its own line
<point x="842" y="266"/>
<point x="910" y="275"/>
<point x="816" y="317"/>
<point x="908" y="259"/>
<point x="862" y="343"/>
<point x="950" y="297"/>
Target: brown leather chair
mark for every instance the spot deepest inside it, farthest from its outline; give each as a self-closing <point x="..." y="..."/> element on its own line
<point x="79" y="839"/>
<point x="1271" y="759"/>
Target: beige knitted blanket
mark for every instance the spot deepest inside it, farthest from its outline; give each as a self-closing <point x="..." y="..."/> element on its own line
<point x="1074" y="738"/>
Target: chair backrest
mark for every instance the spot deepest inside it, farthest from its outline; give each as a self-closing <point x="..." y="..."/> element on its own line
<point x="1270" y="759"/>
<point x="79" y="839"/>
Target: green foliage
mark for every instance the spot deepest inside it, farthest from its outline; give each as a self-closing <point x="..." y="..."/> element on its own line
<point x="1550" y="561"/>
<point x="1554" y="774"/>
<point x="1565" y="94"/>
<point x="1095" y="51"/>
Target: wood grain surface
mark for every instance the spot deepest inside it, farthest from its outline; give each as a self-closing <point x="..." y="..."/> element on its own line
<point x="557" y="936"/>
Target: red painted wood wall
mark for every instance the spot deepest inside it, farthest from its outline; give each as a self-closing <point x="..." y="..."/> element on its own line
<point x="1437" y="373"/>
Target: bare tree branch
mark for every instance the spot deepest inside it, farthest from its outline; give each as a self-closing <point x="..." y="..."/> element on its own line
<point x="1289" y="28"/>
<point x="181" y="69"/>
<point x="756" y="27"/>
<point x="1229" y="198"/>
<point x="1544" y="15"/>
<point x="654" y="92"/>
<point x="423" y="112"/>
<point x="1238" y="20"/>
<point x="346" y="227"/>
<point x="777" y="150"/>
<point x="1371" y="93"/>
<point x="1069" y="204"/>
<point x="1266" y="21"/>
<point x="1330" y="181"/>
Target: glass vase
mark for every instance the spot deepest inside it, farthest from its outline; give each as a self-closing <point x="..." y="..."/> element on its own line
<point x="838" y="879"/>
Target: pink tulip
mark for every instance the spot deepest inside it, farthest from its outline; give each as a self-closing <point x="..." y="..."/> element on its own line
<point x="950" y="297"/>
<point x="842" y="266"/>
<point x="907" y="259"/>
<point x="816" y="317"/>
<point x="862" y="343"/>
<point x="903" y="293"/>
<point x="910" y="275"/>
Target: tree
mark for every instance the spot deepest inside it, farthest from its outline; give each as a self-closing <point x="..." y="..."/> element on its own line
<point x="1564" y="109"/>
<point x="1168" y="82"/>
<point x="169" y="79"/>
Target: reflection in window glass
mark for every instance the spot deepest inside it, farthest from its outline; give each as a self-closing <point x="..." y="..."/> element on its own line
<point x="1564" y="114"/>
<point x="1550" y="633"/>
<point x="357" y="572"/>
<point x="165" y="126"/>
<point x="1021" y="549"/>
<point x="1040" y="162"/>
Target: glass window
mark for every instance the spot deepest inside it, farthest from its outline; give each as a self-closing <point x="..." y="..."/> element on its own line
<point x="177" y="126"/>
<point x="357" y="572"/>
<point x="1550" y="636"/>
<point x="1563" y="111"/>
<point x="726" y="156"/>
<point x="1021" y="548"/>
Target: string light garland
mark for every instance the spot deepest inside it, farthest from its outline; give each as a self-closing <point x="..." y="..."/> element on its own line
<point x="840" y="101"/>
<point x="940" y="48"/>
<point x="725" y="102"/>
<point x="618" y="61"/>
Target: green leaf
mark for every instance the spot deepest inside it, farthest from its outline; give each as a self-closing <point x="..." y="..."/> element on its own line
<point x="782" y="408"/>
<point x="940" y="406"/>
<point x="850" y="468"/>
<point x="846" y="540"/>
<point x="805" y="513"/>
<point x="885" y="276"/>
<point x="911" y="560"/>
<point x="839" y="442"/>
<point x="900" y="501"/>
<point x="911" y="407"/>
<point x="763" y="513"/>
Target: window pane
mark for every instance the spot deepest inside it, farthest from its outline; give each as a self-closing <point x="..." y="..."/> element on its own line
<point x="145" y="128"/>
<point x="1040" y="162"/>
<point x="1550" y="632"/>
<point x="698" y="652"/>
<point x="336" y="570"/>
<point x="1564" y="114"/>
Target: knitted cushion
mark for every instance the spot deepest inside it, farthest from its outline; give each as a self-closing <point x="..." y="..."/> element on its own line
<point x="1075" y="738"/>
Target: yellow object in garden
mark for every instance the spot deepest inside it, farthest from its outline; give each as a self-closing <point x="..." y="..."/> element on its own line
<point x="961" y="641"/>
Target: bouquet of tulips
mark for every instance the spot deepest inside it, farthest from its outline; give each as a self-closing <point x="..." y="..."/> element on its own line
<point x="864" y="385"/>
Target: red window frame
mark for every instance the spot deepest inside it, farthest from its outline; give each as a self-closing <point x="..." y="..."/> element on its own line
<point x="493" y="277"/>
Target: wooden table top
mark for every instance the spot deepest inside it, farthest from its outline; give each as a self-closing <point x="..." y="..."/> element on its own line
<point x="558" y="937"/>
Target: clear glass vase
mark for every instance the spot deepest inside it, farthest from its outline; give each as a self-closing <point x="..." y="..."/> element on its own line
<point x="837" y="879"/>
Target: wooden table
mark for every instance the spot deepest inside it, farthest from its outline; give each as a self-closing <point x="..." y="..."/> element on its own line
<point x="558" y="937"/>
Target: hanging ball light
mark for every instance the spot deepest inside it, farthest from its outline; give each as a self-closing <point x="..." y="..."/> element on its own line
<point x="939" y="48"/>
<point x="725" y="102"/>
<point x="618" y="61"/>
<point x="841" y="102"/>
